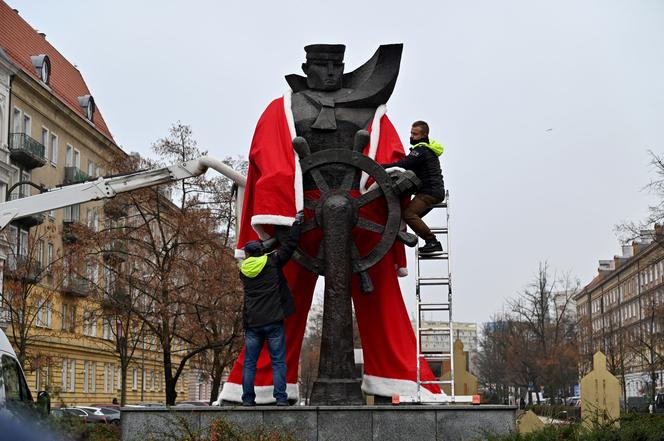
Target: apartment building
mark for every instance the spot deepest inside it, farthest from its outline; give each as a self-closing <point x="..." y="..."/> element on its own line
<point x="53" y="133"/>
<point x="622" y="307"/>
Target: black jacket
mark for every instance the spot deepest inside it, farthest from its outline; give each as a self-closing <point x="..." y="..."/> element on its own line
<point x="267" y="297"/>
<point x="425" y="164"/>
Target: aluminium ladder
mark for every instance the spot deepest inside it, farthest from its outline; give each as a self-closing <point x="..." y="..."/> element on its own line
<point x="436" y="351"/>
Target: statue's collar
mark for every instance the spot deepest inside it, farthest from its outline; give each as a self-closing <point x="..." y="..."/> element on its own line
<point x="370" y="85"/>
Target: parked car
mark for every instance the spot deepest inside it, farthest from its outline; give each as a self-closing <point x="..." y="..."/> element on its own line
<point x="108" y="405"/>
<point x="87" y="415"/>
<point x="112" y="415"/>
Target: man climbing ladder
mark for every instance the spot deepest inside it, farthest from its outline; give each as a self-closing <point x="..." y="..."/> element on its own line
<point x="423" y="161"/>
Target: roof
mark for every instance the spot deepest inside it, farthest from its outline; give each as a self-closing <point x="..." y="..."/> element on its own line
<point x="20" y="41"/>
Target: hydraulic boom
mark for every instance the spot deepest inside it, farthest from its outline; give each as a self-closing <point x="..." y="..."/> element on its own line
<point x="103" y="188"/>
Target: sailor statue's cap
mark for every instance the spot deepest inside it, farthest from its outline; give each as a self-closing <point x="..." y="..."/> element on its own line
<point x="327" y="52"/>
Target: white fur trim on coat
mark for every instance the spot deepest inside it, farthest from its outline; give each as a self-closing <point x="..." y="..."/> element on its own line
<point x="386" y="387"/>
<point x="299" y="189"/>
<point x="373" y="142"/>
<point x="259" y="220"/>
<point x="233" y="392"/>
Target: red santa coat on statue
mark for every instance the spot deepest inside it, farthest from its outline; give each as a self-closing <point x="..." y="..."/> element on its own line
<point x="273" y="195"/>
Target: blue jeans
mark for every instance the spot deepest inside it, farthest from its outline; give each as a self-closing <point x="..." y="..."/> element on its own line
<point x="254" y="339"/>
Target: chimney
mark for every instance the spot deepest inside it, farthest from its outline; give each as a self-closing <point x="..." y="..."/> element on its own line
<point x="627" y="251"/>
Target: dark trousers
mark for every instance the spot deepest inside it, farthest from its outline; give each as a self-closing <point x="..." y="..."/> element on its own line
<point x="254" y="338"/>
<point x="416" y="210"/>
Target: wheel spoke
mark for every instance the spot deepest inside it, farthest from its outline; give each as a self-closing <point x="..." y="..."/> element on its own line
<point x="320" y="180"/>
<point x="349" y="179"/>
<point x="309" y="224"/>
<point x="368" y="225"/>
<point x="369" y="196"/>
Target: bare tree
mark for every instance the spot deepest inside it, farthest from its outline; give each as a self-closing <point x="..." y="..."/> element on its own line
<point x="33" y="261"/>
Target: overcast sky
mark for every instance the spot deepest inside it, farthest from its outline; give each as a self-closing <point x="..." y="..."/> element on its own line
<point x="546" y="109"/>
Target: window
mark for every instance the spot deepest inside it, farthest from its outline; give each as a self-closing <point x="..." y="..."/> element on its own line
<point x="44" y="316"/>
<point x="54" y="149"/>
<point x="98" y="171"/>
<point x="152" y="380"/>
<point x="40" y="253"/>
<point x="143" y="378"/>
<point x="119" y="379"/>
<point x="42" y="378"/>
<point x="109" y="381"/>
<point x="16" y="120"/>
<point x="91" y="168"/>
<point x="27" y="124"/>
<point x="72" y="375"/>
<point x="69" y="156"/>
<point x="68" y="314"/>
<point x="77" y="159"/>
<point x="44" y="139"/>
<point x="134" y="379"/>
<point x="89" y="376"/>
<point x="72" y="213"/>
<point x="49" y="254"/>
<point x="64" y="374"/>
<point x="90" y="323"/>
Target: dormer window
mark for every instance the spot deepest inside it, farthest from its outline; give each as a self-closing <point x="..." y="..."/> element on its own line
<point x="87" y="103"/>
<point x="42" y="65"/>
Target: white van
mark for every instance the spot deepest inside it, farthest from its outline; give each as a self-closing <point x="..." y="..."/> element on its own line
<point x="15" y="396"/>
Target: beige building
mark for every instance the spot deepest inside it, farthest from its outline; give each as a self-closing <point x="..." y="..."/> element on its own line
<point x="466" y="332"/>
<point x="52" y="133"/>
<point x="615" y="309"/>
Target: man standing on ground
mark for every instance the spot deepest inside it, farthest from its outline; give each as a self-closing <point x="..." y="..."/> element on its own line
<point x="423" y="161"/>
<point x="267" y="302"/>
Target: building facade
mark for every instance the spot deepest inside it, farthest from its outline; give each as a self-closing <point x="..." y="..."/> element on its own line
<point x="621" y="313"/>
<point x="52" y="133"/>
<point x="466" y="332"/>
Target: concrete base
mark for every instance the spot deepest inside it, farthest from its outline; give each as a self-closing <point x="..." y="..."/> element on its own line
<point x="329" y="423"/>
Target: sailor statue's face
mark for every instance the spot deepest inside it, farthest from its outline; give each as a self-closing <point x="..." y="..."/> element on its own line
<point x="323" y="75"/>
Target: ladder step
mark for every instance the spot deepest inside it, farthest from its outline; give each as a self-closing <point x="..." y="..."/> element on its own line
<point x="439" y="230"/>
<point x="441" y="205"/>
<point x="434" y="280"/>
<point x="437" y="256"/>
<point x="434" y="306"/>
<point x="434" y="331"/>
<point x="434" y="357"/>
<point x="436" y="382"/>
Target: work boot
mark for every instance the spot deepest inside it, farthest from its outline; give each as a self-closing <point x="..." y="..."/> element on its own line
<point x="431" y="247"/>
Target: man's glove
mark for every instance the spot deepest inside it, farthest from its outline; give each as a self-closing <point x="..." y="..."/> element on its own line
<point x="299" y="217"/>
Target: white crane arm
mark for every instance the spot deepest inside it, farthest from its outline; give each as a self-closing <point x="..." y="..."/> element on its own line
<point x="102" y="188"/>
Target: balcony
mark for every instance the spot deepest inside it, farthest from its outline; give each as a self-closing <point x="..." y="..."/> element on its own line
<point x="116" y="252"/>
<point x="70" y="230"/>
<point x="75" y="286"/>
<point x="74" y="175"/>
<point x="23" y="269"/>
<point x="116" y="299"/>
<point x="26" y="151"/>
